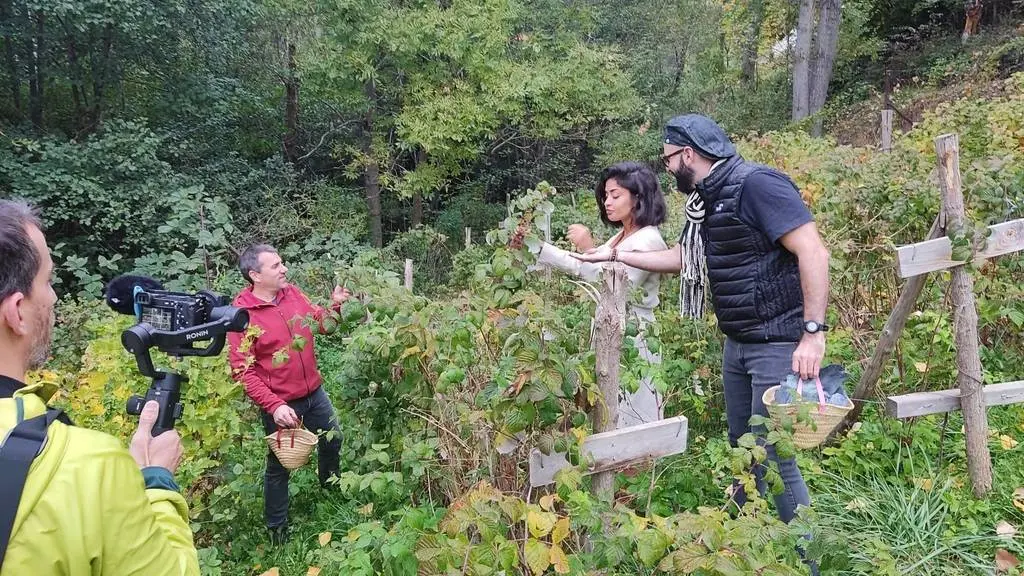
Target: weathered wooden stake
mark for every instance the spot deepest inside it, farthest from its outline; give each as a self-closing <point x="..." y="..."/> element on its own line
<point x="887" y="130"/>
<point x="469" y="237"/>
<point x="965" y="322"/>
<point x="610" y="322"/>
<point x="408" y="274"/>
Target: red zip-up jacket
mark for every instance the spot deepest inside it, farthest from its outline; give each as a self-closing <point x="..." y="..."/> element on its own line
<point x="273" y="358"/>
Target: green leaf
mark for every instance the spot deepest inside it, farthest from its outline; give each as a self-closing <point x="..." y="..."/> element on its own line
<point x="540" y="523"/>
<point x="748" y="441"/>
<point x="758" y="420"/>
<point x="651" y="545"/>
<point x="538" y="557"/>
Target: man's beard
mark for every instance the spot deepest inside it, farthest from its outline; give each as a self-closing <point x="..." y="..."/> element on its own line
<point x="41" y="343"/>
<point x="686" y="179"/>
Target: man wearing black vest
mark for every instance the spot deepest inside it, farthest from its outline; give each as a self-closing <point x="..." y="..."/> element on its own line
<point x="768" y="270"/>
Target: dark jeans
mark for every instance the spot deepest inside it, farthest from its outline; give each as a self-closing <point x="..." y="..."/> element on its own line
<point x="317" y="416"/>
<point x="747" y="371"/>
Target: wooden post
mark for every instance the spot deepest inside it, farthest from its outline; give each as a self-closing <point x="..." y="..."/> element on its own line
<point x="886" y="343"/>
<point x="965" y="322"/>
<point x="610" y="321"/>
<point x="547" y="238"/>
<point x="469" y="237"/>
<point x="887" y="130"/>
<point x="408" y="274"/>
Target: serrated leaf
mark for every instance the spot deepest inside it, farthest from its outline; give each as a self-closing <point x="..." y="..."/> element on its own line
<point x="559" y="559"/>
<point x="560" y="531"/>
<point x="324" y="539"/>
<point x="651" y="546"/>
<point x="546" y="443"/>
<point x="538" y="558"/>
<point x="921" y="366"/>
<point x="540" y="523"/>
<point x="686" y="560"/>
<point x="526" y="355"/>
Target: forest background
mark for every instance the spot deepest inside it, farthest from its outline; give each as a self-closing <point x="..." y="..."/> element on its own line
<point x="164" y="137"/>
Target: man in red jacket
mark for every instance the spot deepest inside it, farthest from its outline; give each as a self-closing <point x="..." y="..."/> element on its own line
<point x="275" y="362"/>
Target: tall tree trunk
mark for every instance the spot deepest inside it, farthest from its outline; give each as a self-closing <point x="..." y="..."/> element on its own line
<point x="749" y="63"/>
<point x="291" y="108"/>
<point x="826" y="42"/>
<point x="973" y="9"/>
<point x="77" y="92"/>
<point x="7" y="15"/>
<point x="417" y="197"/>
<point x="372" y="176"/>
<point x="100" y="78"/>
<point x="36" y="75"/>
<point x="801" y="60"/>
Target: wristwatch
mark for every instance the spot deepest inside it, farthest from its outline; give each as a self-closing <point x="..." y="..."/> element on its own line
<point x="812" y="327"/>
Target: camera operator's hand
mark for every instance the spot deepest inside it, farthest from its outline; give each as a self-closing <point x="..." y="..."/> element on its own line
<point x="340" y="295"/>
<point x="163" y="451"/>
<point x="285" y="417"/>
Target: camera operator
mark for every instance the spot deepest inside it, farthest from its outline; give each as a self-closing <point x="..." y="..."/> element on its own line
<point x="275" y="362"/>
<point x="86" y="505"/>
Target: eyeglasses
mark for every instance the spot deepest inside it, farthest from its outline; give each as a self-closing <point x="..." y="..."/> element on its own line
<point x="668" y="157"/>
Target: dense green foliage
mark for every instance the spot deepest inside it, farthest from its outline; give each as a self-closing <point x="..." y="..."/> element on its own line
<point x="162" y="137"/>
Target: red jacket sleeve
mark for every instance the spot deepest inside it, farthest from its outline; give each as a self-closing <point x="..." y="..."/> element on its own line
<point x="243" y="363"/>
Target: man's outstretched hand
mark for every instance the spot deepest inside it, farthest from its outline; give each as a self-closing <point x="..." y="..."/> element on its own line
<point x="600" y="254"/>
<point x="163" y="451"/>
<point x="340" y="295"/>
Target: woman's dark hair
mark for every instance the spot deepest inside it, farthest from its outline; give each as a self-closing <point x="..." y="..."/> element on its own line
<point x="648" y="202"/>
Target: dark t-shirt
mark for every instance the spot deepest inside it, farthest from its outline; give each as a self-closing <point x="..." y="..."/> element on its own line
<point x="772" y="204"/>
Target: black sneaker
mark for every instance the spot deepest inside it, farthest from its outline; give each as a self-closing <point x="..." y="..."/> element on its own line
<point x="278" y="535"/>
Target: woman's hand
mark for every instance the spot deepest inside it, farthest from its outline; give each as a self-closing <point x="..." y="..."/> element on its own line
<point x="580" y="237"/>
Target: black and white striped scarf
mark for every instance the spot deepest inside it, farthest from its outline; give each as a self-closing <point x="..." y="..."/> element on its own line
<point x="693" y="265"/>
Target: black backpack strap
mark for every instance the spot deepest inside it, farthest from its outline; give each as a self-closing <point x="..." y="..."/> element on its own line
<point x="19" y="450"/>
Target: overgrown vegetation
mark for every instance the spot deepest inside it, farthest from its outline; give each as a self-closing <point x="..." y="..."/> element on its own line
<point x="355" y="135"/>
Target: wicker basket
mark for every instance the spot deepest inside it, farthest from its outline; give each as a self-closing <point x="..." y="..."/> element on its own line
<point x="825" y="418"/>
<point x="292" y="446"/>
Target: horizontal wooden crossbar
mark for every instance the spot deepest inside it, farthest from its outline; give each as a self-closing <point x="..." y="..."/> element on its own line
<point x="616" y="449"/>
<point x="923" y="403"/>
<point x="933" y="255"/>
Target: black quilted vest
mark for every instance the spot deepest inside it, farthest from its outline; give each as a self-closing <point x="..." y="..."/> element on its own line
<point x="755" y="283"/>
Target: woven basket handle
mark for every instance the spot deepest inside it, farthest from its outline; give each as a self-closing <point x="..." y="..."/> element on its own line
<point x="279" y="438"/>
<point x="821" y="392"/>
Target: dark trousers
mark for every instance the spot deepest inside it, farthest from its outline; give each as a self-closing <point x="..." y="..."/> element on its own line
<point x="317" y="416"/>
<point x="747" y="371"/>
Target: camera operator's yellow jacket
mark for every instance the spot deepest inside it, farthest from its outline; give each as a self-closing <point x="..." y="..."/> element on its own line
<point x="85" y="510"/>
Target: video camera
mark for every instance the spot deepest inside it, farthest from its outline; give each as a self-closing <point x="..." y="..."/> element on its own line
<point x="174" y="322"/>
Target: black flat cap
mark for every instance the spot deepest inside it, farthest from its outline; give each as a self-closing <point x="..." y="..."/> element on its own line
<point x="700" y="133"/>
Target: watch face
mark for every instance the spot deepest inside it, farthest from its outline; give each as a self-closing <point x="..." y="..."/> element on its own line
<point x="811" y="326"/>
